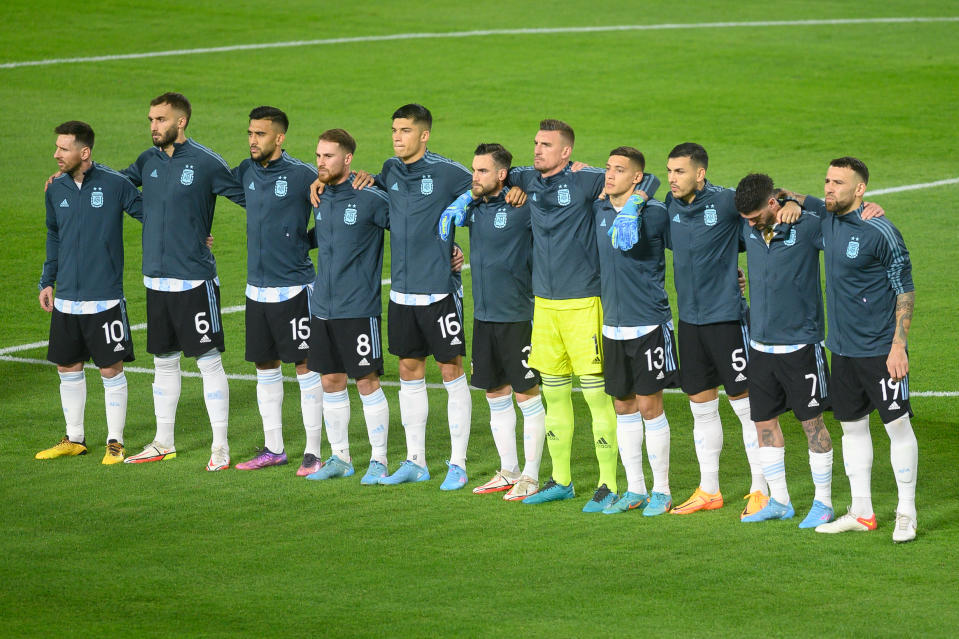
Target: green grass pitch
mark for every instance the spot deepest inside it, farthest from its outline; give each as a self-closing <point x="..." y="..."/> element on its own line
<point x="170" y="550"/>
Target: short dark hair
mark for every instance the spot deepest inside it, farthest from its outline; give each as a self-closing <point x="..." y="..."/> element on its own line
<point x="857" y="165"/>
<point x="753" y="192"/>
<point x="272" y="114"/>
<point x="693" y="151"/>
<point x="341" y="137"/>
<point x="566" y="130"/>
<point x="415" y="112"/>
<point x="176" y="100"/>
<point x="502" y="158"/>
<point x="81" y="132"/>
<point x="632" y="153"/>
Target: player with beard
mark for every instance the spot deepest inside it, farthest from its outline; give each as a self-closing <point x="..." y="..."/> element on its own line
<point x="180" y="180"/>
<point x="85" y="206"/>
<point x="501" y="246"/>
<point x="870" y="297"/>
<point x="280" y="278"/>
<point x="346" y="307"/>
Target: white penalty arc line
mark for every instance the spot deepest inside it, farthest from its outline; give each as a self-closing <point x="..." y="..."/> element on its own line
<point x="478" y="33"/>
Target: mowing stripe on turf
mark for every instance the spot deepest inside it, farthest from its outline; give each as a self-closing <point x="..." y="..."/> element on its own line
<point x="475" y="34"/>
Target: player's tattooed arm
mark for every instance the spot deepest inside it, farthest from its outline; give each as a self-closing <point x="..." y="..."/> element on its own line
<point x="818" y="436"/>
<point x="898" y="360"/>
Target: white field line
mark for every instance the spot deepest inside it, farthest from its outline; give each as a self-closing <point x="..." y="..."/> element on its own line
<point x="474" y="34"/>
<point x="6" y="357"/>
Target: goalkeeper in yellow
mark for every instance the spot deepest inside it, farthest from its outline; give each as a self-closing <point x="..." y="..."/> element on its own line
<point x="567" y="316"/>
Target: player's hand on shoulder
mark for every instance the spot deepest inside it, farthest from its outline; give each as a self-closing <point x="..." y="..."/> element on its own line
<point x="361" y="180"/>
<point x="872" y="210"/>
<point x="515" y="197"/>
<point x="51" y="179"/>
<point x="577" y="166"/>
<point x="316" y="190"/>
<point x="209" y="242"/>
<point x="788" y="213"/>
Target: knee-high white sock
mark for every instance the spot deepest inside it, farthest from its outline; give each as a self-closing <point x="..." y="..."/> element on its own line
<point x="820" y="465"/>
<point x="773" y="459"/>
<point x="904" y="455"/>
<point x="857" y="458"/>
<point x="657" y="450"/>
<point x="115" y="401"/>
<point x="459" y="409"/>
<point x="534" y="434"/>
<point x="414" y="411"/>
<point x="73" y="398"/>
<point x="629" y="433"/>
<point x="751" y="442"/>
<point x="216" y="394"/>
<point x="166" y="395"/>
<point x="269" y="399"/>
<point x="502" y="422"/>
<point x="311" y="405"/>
<point x="708" y="436"/>
<point x="336" y="412"/>
<point x="377" y="413"/>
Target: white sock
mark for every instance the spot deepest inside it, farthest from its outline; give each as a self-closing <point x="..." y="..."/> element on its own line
<point x="166" y="395"/>
<point x="629" y="433"/>
<point x="459" y="409"/>
<point x="377" y="414"/>
<point x="751" y="441"/>
<point x="534" y="434"/>
<point x="216" y="394"/>
<point x="820" y="465"/>
<point x="708" y="436"/>
<point x="336" y="413"/>
<point x="311" y="405"/>
<point x="773" y="459"/>
<point x="857" y="459"/>
<point x="414" y="411"/>
<point x="115" y="401"/>
<point x="73" y="398"/>
<point x="269" y="398"/>
<point x="657" y="450"/>
<point x="502" y="422"/>
<point x="904" y="455"/>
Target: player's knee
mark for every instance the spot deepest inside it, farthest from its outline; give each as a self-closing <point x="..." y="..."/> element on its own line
<point x="210" y="363"/>
<point x="167" y="362"/>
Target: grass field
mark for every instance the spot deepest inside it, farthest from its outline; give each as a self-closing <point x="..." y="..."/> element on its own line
<point x="169" y="550"/>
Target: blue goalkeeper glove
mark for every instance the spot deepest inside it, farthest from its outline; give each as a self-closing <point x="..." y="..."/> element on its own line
<point x="455" y="213"/>
<point x="624" y="231"/>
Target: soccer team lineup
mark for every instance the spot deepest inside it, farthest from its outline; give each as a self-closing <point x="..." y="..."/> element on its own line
<point x="568" y="267"/>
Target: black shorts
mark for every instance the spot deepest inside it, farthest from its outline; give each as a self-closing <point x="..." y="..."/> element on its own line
<point x="420" y="331"/>
<point x="350" y="346"/>
<point x="499" y="356"/>
<point x="642" y="366"/>
<point x="712" y="355"/>
<point x="861" y="384"/>
<point x="278" y="330"/>
<point x="187" y="321"/>
<point x="782" y="381"/>
<point x="103" y="336"/>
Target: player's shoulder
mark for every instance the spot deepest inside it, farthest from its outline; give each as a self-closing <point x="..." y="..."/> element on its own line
<point x="205" y="154"/>
<point x="299" y="166"/>
<point x="883" y="228"/>
<point x="374" y="194"/>
<point x="443" y="161"/>
<point x="109" y="174"/>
